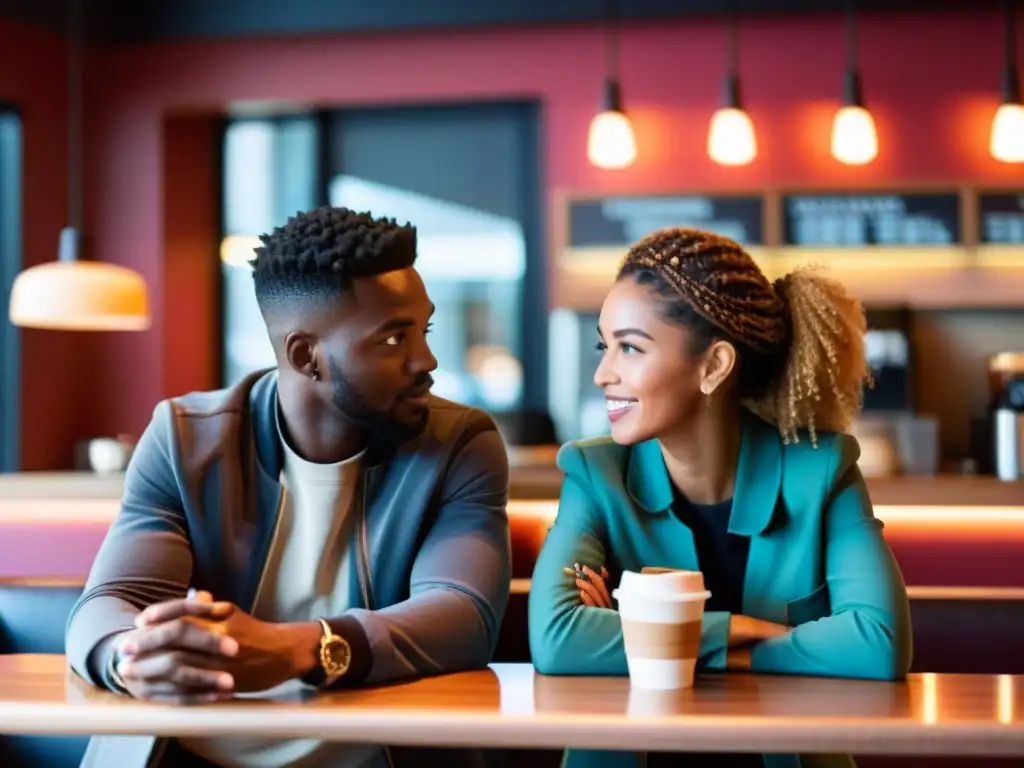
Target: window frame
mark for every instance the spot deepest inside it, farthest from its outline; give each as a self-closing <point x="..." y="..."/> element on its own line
<point x="11" y="263"/>
<point x="534" y="308"/>
<point x="223" y="129"/>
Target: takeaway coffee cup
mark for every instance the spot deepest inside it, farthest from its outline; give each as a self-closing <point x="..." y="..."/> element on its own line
<point x="661" y="611"/>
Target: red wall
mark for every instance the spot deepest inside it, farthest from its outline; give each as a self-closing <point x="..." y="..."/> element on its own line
<point x="931" y="81"/>
<point x="33" y="75"/>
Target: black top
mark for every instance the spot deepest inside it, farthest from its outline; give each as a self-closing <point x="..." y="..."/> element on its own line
<point x="722" y="558"/>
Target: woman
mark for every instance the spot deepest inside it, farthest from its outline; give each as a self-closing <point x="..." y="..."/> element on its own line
<point x="728" y="397"/>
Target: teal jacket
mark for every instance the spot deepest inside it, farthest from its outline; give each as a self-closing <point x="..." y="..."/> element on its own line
<point x="817" y="562"/>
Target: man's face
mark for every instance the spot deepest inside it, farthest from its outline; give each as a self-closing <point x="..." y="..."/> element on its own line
<point x="377" y="358"/>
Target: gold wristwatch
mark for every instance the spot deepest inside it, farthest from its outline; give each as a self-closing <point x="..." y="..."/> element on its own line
<point x="335" y="657"/>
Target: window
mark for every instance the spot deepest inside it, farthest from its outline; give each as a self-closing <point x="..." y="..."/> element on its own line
<point x="465" y="176"/>
<point x="10" y="265"/>
<point x="270" y="171"/>
<point x="472" y="264"/>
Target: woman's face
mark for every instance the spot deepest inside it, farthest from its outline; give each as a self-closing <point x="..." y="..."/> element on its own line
<point x="651" y="382"/>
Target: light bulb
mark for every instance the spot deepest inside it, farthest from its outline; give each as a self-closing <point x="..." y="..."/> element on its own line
<point x="611" y="142"/>
<point x="854" y="140"/>
<point x="731" y="139"/>
<point x="239" y="250"/>
<point x="1007" y="141"/>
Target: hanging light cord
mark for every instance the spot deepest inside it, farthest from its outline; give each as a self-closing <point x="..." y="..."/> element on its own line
<point x="852" y="95"/>
<point x="1011" y="33"/>
<point x="851" y="37"/>
<point x="76" y="44"/>
<point x="732" y="64"/>
<point x="731" y="83"/>
<point x="611" y="40"/>
<point x="1011" y="86"/>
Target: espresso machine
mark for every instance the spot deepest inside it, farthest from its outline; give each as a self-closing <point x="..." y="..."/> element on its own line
<point x="1006" y="380"/>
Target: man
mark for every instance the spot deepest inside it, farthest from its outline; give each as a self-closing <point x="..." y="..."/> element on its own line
<point x="323" y="525"/>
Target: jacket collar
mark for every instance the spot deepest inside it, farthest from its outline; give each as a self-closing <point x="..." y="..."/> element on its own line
<point x="267" y="439"/>
<point x="758" y="477"/>
<point x="263" y="418"/>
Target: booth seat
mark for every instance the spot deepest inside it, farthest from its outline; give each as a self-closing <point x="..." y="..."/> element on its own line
<point x="33" y="613"/>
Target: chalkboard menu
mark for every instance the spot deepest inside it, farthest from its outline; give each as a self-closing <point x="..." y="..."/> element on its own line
<point x="847" y="220"/>
<point x="620" y="221"/>
<point x="1001" y="218"/>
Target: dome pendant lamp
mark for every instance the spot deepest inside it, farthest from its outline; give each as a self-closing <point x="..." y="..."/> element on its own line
<point x="70" y="294"/>
<point x="1007" y="140"/>
<point x="854" y="139"/>
<point x="611" y="143"/>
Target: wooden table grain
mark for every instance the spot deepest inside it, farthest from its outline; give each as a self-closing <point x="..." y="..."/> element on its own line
<point x="509" y="706"/>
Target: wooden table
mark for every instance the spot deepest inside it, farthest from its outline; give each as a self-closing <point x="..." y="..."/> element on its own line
<point x="509" y="706"/>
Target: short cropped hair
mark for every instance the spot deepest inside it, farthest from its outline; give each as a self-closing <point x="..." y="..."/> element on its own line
<point x="315" y="254"/>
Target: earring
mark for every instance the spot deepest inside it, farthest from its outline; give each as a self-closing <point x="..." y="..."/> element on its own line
<point x="707" y="396"/>
<point x="314" y="374"/>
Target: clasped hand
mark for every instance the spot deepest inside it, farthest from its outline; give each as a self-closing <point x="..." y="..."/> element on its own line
<point x="593" y="592"/>
<point x="197" y="650"/>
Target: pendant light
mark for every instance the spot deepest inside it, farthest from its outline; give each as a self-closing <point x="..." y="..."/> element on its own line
<point x="1007" y="141"/>
<point x="611" y="143"/>
<point x="239" y="250"/>
<point x="854" y="139"/>
<point x="70" y="294"/>
<point x="731" y="139"/>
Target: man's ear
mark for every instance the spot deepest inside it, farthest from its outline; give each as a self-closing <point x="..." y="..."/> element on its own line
<point x="300" y="350"/>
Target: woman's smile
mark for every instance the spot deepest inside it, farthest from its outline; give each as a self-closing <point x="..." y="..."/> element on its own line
<point x="619" y="408"/>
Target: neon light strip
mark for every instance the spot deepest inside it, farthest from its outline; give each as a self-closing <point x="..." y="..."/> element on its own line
<point x="1002" y="515"/>
<point x="999" y="594"/>
<point x="27" y="511"/>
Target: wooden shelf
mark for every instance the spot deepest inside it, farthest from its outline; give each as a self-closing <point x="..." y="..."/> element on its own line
<point x="957" y="279"/>
<point x="946" y="491"/>
<point x="921" y="272"/>
<point x="61" y="485"/>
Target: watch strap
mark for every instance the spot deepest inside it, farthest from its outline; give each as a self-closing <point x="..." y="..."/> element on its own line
<point x="349" y="629"/>
<point x="326" y="627"/>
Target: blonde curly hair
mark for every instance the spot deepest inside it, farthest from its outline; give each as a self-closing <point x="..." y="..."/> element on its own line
<point x="800" y="340"/>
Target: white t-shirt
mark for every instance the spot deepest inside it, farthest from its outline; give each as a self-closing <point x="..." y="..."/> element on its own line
<point x="307" y="577"/>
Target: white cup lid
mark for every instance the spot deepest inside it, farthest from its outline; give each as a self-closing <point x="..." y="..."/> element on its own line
<point x="663" y="584"/>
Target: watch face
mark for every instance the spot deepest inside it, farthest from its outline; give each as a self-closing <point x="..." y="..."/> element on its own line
<point x="336" y="656"/>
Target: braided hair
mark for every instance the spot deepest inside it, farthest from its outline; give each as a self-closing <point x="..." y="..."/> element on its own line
<point x="799" y="341"/>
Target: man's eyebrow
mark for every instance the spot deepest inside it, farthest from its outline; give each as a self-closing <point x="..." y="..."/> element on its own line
<point x="401" y="323"/>
<point x="396" y="324"/>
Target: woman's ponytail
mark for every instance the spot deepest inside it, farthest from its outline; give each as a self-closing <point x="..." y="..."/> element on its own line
<point x="821" y="383"/>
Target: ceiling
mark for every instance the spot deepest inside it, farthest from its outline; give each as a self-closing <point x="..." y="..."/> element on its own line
<point x="124" y="21"/>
